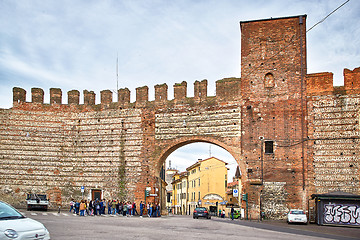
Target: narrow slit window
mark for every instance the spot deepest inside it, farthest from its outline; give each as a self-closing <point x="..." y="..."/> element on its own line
<point x="269" y="147"/>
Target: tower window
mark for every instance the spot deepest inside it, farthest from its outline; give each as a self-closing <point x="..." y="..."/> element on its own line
<point x="269" y="147"/>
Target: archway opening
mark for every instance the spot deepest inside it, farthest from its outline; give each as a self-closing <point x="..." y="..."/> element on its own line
<point x="197" y="170"/>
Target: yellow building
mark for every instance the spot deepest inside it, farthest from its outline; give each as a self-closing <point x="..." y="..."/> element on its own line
<point x="207" y="184"/>
<point x="179" y="193"/>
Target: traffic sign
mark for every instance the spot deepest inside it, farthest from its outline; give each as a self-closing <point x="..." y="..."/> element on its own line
<point x="82" y="188"/>
<point x="235" y="193"/>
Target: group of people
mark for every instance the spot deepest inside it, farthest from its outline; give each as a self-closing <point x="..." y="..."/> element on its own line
<point x="113" y="207"/>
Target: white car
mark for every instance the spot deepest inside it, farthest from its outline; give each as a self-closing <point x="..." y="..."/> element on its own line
<point x="296" y="216"/>
<point x="14" y="225"/>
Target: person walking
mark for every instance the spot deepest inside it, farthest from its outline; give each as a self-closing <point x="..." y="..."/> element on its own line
<point x="151" y="210"/>
<point x="134" y="209"/>
<point x="77" y="207"/>
<point x="141" y="209"/>
<point x="72" y="203"/>
<point x="113" y="207"/>
<point x="109" y="206"/>
<point x="91" y="208"/>
<point x="87" y="208"/>
<point x="148" y="209"/>
<point x="125" y="209"/>
<point x="158" y="210"/>
<point x="82" y="208"/>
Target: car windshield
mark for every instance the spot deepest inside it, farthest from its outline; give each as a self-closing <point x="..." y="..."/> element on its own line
<point x="200" y="209"/>
<point x="8" y="212"/>
<point x="297" y="212"/>
<point x="36" y="197"/>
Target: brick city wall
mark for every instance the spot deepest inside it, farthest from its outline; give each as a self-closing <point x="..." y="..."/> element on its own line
<point x="119" y="147"/>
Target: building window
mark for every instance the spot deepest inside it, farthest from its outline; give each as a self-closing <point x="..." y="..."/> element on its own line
<point x="269" y="147"/>
<point x="199" y="196"/>
<point x="199" y="182"/>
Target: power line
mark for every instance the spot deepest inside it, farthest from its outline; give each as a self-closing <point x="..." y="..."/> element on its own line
<point x="327" y="16"/>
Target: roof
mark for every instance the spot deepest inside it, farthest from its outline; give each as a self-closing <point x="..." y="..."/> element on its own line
<point x="278" y="18"/>
<point x="238" y="172"/>
<point x="200" y="161"/>
<point x="336" y="195"/>
<point x="231" y="184"/>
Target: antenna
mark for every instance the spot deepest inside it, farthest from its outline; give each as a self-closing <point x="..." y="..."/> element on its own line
<point x="117" y="73"/>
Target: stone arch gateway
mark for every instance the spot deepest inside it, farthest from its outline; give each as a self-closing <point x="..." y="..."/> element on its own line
<point x="117" y="148"/>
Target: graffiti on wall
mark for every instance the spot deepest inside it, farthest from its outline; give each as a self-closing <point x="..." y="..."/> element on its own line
<point x="342" y="214"/>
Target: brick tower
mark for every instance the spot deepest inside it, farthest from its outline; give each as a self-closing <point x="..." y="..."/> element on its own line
<point x="273" y="69"/>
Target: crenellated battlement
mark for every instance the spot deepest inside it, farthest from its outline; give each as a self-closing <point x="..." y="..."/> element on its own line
<point x="322" y="83"/>
<point x="227" y="89"/>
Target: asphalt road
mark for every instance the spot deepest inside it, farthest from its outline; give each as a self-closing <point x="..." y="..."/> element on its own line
<point x="68" y="226"/>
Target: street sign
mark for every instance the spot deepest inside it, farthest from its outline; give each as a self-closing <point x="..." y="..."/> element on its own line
<point x="235" y="193"/>
<point x="82" y="189"/>
<point x="153" y="195"/>
<point x="148" y="189"/>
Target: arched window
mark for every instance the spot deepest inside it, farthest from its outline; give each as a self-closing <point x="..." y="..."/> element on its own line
<point x="269" y="80"/>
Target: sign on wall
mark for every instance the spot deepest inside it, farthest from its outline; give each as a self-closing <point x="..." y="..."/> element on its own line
<point x="235" y="193"/>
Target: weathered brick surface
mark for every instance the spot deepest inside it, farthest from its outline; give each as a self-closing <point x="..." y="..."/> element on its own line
<point x="120" y="147"/>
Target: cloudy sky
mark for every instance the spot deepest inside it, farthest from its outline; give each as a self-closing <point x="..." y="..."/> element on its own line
<point x="75" y="44"/>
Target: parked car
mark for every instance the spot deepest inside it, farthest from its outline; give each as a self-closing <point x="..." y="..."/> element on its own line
<point x="201" y="212"/>
<point x="296" y="216"/>
<point x="36" y="201"/>
<point x="14" y="225"/>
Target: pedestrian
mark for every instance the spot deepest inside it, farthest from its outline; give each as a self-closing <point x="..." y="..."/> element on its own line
<point x="101" y="207"/>
<point x="223" y="214"/>
<point x="109" y="206"/>
<point x="129" y="205"/>
<point x="148" y="209"/>
<point x="134" y="209"/>
<point x="113" y="207"/>
<point x="117" y="206"/>
<point x="77" y="207"/>
<point x="82" y="208"/>
<point x="151" y="210"/>
<point x="158" y="210"/>
<point x="232" y="212"/>
<point x="72" y="203"/>
<point x="141" y="209"/>
<point x="125" y="209"/>
<point x="87" y="208"/>
<point x="98" y="208"/>
<point x="91" y="208"/>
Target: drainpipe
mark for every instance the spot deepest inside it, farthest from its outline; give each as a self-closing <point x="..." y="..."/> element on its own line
<point x="302" y="101"/>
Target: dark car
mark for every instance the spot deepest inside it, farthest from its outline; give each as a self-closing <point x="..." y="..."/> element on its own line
<point x="201" y="212"/>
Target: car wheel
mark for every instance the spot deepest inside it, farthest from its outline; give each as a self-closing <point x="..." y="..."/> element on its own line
<point x="193" y="217"/>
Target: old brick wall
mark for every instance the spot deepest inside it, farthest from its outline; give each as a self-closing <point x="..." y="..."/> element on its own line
<point x="120" y="147"/>
<point x="45" y="148"/>
<point x="334" y="133"/>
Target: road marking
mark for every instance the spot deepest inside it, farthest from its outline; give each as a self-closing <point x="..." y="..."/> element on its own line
<point x="44" y="214"/>
<point x="33" y="214"/>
